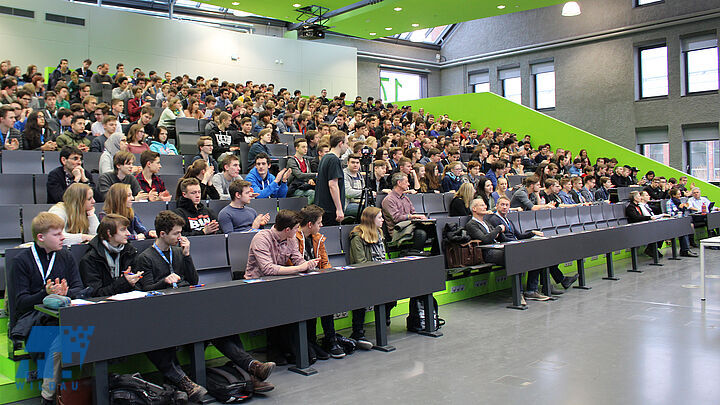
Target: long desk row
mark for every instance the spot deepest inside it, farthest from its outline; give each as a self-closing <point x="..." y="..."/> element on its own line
<point x="241" y="306"/>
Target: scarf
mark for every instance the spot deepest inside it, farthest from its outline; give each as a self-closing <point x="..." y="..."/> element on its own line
<point x="114" y="263"/>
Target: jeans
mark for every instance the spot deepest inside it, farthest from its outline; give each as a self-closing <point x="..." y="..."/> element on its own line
<point x="167" y="364"/>
<point x="52" y="367"/>
<point x="533" y="278"/>
<point x="358" y="318"/>
<point x="231" y="347"/>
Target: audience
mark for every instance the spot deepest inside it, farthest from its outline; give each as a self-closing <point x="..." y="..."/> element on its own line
<point x="200" y="171"/>
<point x="199" y="220"/>
<point x="119" y="200"/>
<point x="237" y="216"/>
<point x="231" y="172"/>
<point x="148" y="178"/>
<point x="77" y="210"/>
<point x="122" y="173"/>
<point x="69" y="172"/>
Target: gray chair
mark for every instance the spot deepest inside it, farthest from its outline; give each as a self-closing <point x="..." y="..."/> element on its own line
<point x="265" y="206"/>
<point x="441" y="222"/>
<point x="147" y="211"/>
<point x="345" y="231"/>
<point x="79" y="250"/>
<point x="171" y="164"/>
<point x="216" y="205"/>
<point x="171" y="182"/>
<point x="16" y="189"/>
<point x="596" y="212"/>
<point x="91" y="162"/>
<point x="434" y="203"/>
<point x="10" y="235"/>
<point x="188" y="126"/>
<point x="244" y="162"/>
<point x="10" y="294"/>
<point x="608" y="215"/>
<point x="379" y="198"/>
<point x="40" y="187"/>
<point x="292" y="203"/>
<point x="619" y="213"/>
<point x="51" y="160"/>
<point x="572" y="216"/>
<point x="141" y="245"/>
<point x="187" y="143"/>
<point x="333" y="244"/>
<point x="288" y="139"/>
<point x="417" y="202"/>
<point x="512" y="216"/>
<point x="277" y="149"/>
<point x="208" y="252"/>
<point x="22" y="162"/>
<point x="527" y="221"/>
<point x="447" y="198"/>
<point x="544" y="222"/>
<point x="238" y="246"/>
<point x="559" y="221"/>
<point x="586" y="219"/>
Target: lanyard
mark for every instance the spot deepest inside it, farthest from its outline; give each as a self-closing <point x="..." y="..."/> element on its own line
<point x="169" y="262"/>
<point x="43" y="274"/>
<point x="2" y="138"/>
<point x="506" y="222"/>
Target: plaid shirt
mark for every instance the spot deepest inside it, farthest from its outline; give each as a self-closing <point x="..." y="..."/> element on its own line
<point x="157" y="183"/>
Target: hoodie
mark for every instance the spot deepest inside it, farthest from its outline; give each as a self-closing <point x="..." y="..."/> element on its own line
<point x="195" y="218"/>
<point x="267" y="187"/>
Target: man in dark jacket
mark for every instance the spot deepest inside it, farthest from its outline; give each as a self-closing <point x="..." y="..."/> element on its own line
<point x="107" y="266"/>
<point x="70" y="171"/>
<point x="167" y="265"/>
<point x="479" y="229"/>
<point x="42" y="269"/>
<point x="199" y="220"/>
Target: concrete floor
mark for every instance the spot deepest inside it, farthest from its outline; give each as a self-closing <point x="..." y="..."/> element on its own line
<point x="645" y="339"/>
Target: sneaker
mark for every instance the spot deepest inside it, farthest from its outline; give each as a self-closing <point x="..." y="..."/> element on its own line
<point x="261" y="370"/>
<point x="333" y="348"/>
<point x="556" y="291"/>
<point x="348" y="345"/>
<point x="261" y="386"/>
<point x="688" y="253"/>
<point x="319" y="352"/>
<point x="536" y="296"/>
<point x="194" y="391"/>
<point x="362" y="342"/>
<point x="522" y="301"/>
<point x="568" y="281"/>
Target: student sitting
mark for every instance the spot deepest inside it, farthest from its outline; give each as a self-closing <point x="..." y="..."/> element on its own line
<point x="76" y="136"/>
<point x="148" y="178"/>
<point x="366" y="245"/>
<point x="397" y="208"/>
<point x="122" y="173"/>
<point x="301" y="181"/>
<point x="237" y="216"/>
<point x="259" y="146"/>
<point x="119" y="201"/>
<point x="115" y="143"/>
<point x="677" y="209"/>
<point x="203" y="173"/>
<point x="42" y="269"/>
<point x="231" y="172"/>
<point x="77" y="210"/>
<point x="354" y="185"/>
<point x="603" y="192"/>
<point x="479" y="229"/>
<point x="460" y="204"/>
<point x="136" y="139"/>
<point x="69" y="172"/>
<point x="109" y="127"/>
<point x="452" y="180"/>
<point x="205" y="148"/>
<point x="223" y="142"/>
<point x="37" y="134"/>
<point x="107" y="266"/>
<point x="167" y="265"/>
<point x="264" y="183"/>
<point x="161" y="145"/>
<point x="199" y="220"/>
<point x="312" y="246"/>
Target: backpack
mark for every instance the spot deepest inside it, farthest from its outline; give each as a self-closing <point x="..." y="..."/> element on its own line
<point x="229" y="383"/>
<point x="131" y="389"/>
<point x="416" y="315"/>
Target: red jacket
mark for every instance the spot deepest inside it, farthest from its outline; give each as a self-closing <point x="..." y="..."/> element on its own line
<point x="134" y="107"/>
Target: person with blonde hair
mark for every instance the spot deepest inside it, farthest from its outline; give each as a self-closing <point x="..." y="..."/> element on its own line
<point x="460" y="204"/>
<point x="77" y="210"/>
<point x="119" y="200"/>
<point x="367" y="245"/>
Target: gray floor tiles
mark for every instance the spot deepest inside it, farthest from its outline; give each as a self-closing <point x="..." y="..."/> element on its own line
<point x="641" y="340"/>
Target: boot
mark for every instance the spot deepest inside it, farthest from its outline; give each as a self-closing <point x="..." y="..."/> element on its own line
<point x="194" y="391"/>
<point x="261" y="370"/>
<point x="261" y="386"/>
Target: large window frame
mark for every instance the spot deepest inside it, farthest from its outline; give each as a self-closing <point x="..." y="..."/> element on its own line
<point x="644" y="92"/>
<point x="479" y="82"/>
<point x="393" y="86"/>
<point x="544" y="85"/>
<point x="702" y="147"/>
<point x="652" y="142"/>
<point x="511" y="80"/>
<point x="706" y="45"/>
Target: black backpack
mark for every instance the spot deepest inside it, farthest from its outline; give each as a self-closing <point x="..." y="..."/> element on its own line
<point x="131" y="389"/>
<point x="229" y="383"/>
<point x="416" y="315"/>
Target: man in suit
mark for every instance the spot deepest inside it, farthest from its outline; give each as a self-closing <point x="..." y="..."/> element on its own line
<point x="479" y="229"/>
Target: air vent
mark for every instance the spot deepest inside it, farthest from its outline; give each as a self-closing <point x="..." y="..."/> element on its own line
<point x="64" y="19"/>
<point x="18" y="12"/>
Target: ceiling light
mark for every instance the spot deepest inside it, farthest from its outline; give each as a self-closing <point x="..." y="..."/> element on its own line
<point x="571" y="9"/>
<point x="388" y="28"/>
<point x="416" y="25"/>
<point x="398" y="9"/>
<point x="238" y="13"/>
<point x="296" y="5"/>
<point x="235" y="3"/>
<point x="502" y="6"/>
<point x="373" y="33"/>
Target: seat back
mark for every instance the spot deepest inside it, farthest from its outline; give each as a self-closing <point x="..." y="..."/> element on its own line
<point x="596" y="212"/>
<point x="447" y="198"/>
<point x="146" y="211"/>
<point x="238" y="247"/>
<point x="91" y="162"/>
<point x="333" y="244"/>
<point x="187" y="143"/>
<point x="345" y="231"/>
<point x="287" y="139"/>
<point x="142" y="245"/>
<point x="515" y="180"/>
<point x="217" y="205"/>
<point x="292" y="203"/>
<point x="244" y="163"/>
<point x="22" y="162"/>
<point x="10" y="292"/>
<point x="79" y="250"/>
<point x="209" y="252"/>
<point x="572" y="216"/>
<point x="277" y="149"/>
<point x="417" y="202"/>
<point x="543" y="220"/>
<point x="265" y="206"/>
<point x="171" y="164"/>
<point x="557" y="216"/>
<point x="585" y="214"/>
<point x="527" y="221"/>
<point x="10" y="235"/>
<point x="51" y="160"/>
<point x="512" y="216"/>
<point x="434" y="203"/>
<point x="379" y="198"/>
<point x="440" y="226"/>
<point x="188" y="126"/>
<point x="16" y="188"/>
<point x="40" y="188"/>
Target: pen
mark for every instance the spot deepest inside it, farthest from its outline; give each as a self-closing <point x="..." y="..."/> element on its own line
<point x="197" y="286"/>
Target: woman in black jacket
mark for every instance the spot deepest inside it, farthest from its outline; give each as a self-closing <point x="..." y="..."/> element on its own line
<point x="460" y="204"/>
<point x="633" y="212"/>
<point x="107" y="266"/>
<point x="37" y="135"/>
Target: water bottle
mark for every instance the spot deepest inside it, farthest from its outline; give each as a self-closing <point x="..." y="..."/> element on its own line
<point x="704" y="208"/>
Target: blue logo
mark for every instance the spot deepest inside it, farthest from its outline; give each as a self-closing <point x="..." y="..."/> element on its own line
<point x="70" y="342"/>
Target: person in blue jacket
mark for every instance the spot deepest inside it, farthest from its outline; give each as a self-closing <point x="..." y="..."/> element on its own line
<point x="453" y="177"/>
<point x="265" y="184"/>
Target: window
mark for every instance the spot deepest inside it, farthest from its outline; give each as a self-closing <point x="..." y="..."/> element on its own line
<point x="544" y="84"/>
<point x="646" y="2"/>
<point x="700" y="63"/>
<point x="654" y="143"/>
<point x="433" y="35"/>
<point x="703" y="151"/>
<point x="399" y="86"/>
<point x="653" y="69"/>
<point x="479" y="82"/>
<point x="511" y="84"/>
